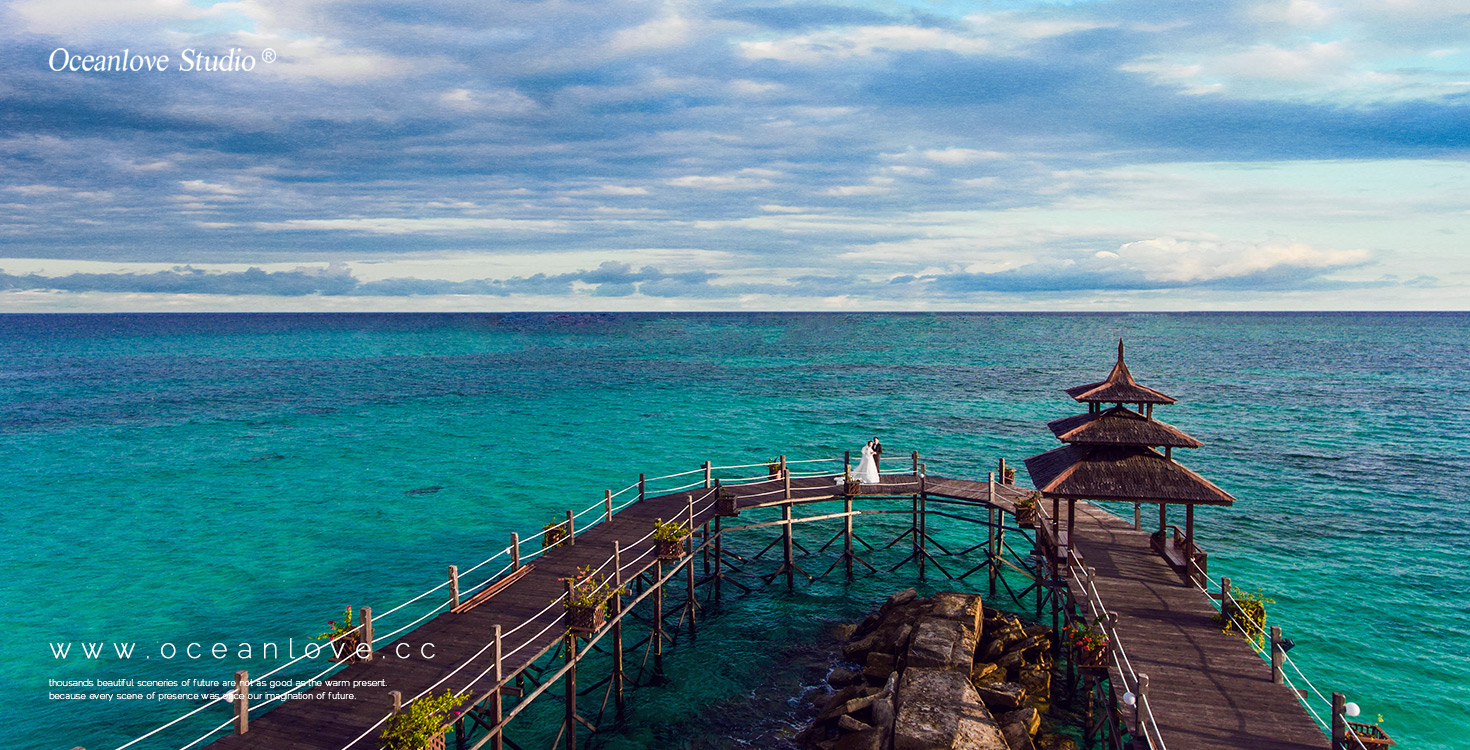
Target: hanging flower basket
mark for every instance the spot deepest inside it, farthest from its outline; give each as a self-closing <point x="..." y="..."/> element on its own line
<point x="343" y="650"/>
<point x="668" y="539"/>
<point x="586" y="618"/>
<point x="852" y="488"/>
<point x="1089" y="645"/>
<point x="725" y="503"/>
<point x="556" y="532"/>
<point x="1026" y="515"/>
<point x="1009" y="477"/>
<point x="670" y="549"/>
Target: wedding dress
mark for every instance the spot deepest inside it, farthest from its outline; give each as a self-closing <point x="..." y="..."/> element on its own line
<point x="867" y="469"/>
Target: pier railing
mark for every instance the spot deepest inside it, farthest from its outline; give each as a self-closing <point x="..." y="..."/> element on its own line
<point x="1268" y="644"/>
<point x="576" y="524"/>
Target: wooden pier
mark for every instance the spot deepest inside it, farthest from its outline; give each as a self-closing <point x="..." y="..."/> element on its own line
<point x="508" y="644"/>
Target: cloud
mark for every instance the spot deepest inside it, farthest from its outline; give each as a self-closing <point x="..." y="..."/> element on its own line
<point x="611" y="278"/>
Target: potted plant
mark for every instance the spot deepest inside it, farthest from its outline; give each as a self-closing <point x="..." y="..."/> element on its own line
<point x="773" y="467"/>
<point x="1009" y="477"/>
<point x="344" y="648"/>
<point x="1026" y="510"/>
<point x="850" y="486"/>
<point x="725" y="501"/>
<point x="1245" y="611"/>
<point x="422" y="725"/>
<point x="1089" y="644"/>
<point x="555" y="534"/>
<point x="587" y="600"/>
<point x="669" y="536"/>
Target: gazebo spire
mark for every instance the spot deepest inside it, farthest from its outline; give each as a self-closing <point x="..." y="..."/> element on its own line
<point x="1118" y="388"/>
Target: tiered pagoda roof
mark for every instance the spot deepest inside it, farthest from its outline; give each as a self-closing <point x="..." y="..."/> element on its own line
<point x="1110" y="454"/>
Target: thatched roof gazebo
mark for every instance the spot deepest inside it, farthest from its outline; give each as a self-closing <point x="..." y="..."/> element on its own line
<point x="1112" y="455"/>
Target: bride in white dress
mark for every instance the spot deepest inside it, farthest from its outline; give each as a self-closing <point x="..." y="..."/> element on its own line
<point x="867" y="469"/>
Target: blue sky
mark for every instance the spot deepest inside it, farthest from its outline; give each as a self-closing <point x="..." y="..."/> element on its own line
<point x="630" y="155"/>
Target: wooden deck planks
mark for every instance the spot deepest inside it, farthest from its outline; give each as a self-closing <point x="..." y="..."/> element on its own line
<point x="1209" y="690"/>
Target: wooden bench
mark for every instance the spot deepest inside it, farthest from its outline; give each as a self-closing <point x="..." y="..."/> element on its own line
<point x="493" y="589"/>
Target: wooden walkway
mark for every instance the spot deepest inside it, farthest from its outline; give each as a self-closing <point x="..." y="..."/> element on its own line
<point x="1208" y="689"/>
<point x="320" y="723"/>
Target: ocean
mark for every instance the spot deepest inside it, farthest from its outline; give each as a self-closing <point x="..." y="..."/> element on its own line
<point x="225" y="478"/>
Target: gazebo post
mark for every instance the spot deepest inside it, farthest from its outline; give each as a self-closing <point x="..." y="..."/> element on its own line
<point x="1163" y="517"/>
<point x="1189" y="541"/>
<point x="1071" y="524"/>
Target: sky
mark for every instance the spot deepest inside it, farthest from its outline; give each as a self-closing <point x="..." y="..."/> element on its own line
<point x="663" y="155"/>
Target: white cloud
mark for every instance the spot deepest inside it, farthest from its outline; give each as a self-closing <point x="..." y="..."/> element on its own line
<point x="1167" y="259"/>
<point x="961" y="155"/>
<point x="413" y="226"/>
<point x="864" y="41"/>
<point x="745" y="179"/>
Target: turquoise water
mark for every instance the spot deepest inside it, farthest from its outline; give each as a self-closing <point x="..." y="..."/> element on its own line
<point x="243" y="477"/>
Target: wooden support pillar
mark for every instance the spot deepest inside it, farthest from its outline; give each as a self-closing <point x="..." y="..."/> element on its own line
<point x="719" y="556"/>
<point x="1140" y="709"/>
<point x="923" y="526"/>
<point x="786" y="546"/>
<point x="1163" y="517"/>
<point x="242" y="701"/>
<point x="916" y="463"/>
<point x="607" y="503"/>
<point x="707" y="474"/>
<point x="781" y="467"/>
<point x="689" y="568"/>
<point x="367" y="633"/>
<point x="658" y="617"/>
<point x="1071" y="525"/>
<point x="515" y="551"/>
<point x="847" y="533"/>
<point x="1224" y="592"/>
<point x="1189" y="540"/>
<point x="1138" y="516"/>
<point x="1278" y="676"/>
<point x="397" y="700"/>
<point x="846" y="463"/>
<point x="571" y="690"/>
<point x="571" y="529"/>
<point x="642" y="485"/>
<point x="497" y="705"/>
<point x="454" y="584"/>
<point x="991" y="532"/>
<point x="617" y="628"/>
<point x="1339" y="721"/>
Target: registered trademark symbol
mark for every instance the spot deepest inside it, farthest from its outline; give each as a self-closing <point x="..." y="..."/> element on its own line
<point x="268" y="55"/>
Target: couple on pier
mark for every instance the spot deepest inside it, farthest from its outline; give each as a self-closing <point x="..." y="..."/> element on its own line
<point x="867" y="468"/>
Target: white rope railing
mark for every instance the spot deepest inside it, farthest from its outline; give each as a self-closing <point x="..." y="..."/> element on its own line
<point x="599" y="506"/>
<point x="1259" y="629"/>
<point x="1120" y="655"/>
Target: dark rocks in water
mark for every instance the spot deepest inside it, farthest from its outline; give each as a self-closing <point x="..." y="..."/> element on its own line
<point x="425" y="490"/>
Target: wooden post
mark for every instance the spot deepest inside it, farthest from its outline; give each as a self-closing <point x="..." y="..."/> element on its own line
<point x="846" y="462"/>
<point x="242" y="701"/>
<point x="1138" y="516"/>
<point x="719" y="555"/>
<point x="497" y="706"/>
<point x="658" y="616"/>
<point x="1163" y="517"/>
<point x="367" y="633"/>
<point x="1339" y="721"/>
<point x="915" y="457"/>
<point x="571" y="690"/>
<point x="1224" y="592"/>
<point x="571" y="530"/>
<point x="515" y="551"/>
<point x="617" y="628"/>
<point x="922" y="527"/>
<point x="782" y="466"/>
<point x="786" y="543"/>
<point x="1189" y="540"/>
<point x="1000" y="469"/>
<point x="1071" y="525"/>
<point x="454" y="584"/>
<point x="607" y="503"/>
<point x="397" y="698"/>
<point x="847" y="533"/>
<point x="706" y="475"/>
<point x="1139" y="710"/>
<point x="689" y="563"/>
<point x="990" y="535"/>
<point x="641" y="486"/>
<point x="1277" y="675"/>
